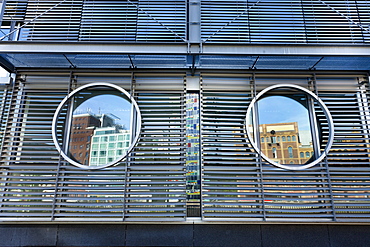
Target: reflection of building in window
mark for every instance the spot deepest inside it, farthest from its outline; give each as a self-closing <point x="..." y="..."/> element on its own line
<point x="108" y="144"/>
<point x="285" y="143"/>
<point x="83" y="126"/>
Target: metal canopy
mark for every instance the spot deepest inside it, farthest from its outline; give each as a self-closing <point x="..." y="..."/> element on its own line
<point x="183" y="56"/>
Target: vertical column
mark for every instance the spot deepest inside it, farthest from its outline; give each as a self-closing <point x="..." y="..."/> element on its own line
<point x="313" y="119"/>
<point x="257" y="137"/>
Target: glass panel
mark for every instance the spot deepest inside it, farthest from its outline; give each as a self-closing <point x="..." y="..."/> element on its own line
<point x="100" y="117"/>
<point x="193" y="155"/>
<point x="286" y="117"/>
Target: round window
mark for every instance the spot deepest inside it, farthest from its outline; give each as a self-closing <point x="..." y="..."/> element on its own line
<point x="294" y="123"/>
<point x="96" y="125"/>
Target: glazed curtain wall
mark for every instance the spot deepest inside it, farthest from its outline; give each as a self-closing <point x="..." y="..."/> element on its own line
<point x="152" y="184"/>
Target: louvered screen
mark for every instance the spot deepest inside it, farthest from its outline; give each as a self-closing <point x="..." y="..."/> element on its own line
<point x="109" y="20"/>
<point x="364" y="15"/>
<point x="348" y="160"/>
<point x="296" y="194"/>
<point x="5" y="93"/>
<point x="231" y="177"/>
<point x="225" y="21"/>
<point x="29" y="160"/>
<point x="294" y="21"/>
<point x="245" y="21"/>
<point x="156" y="186"/>
<point x="236" y="186"/>
<point x="161" y="20"/>
<point x="37" y="185"/>
<point x="277" y="21"/>
<point x="52" y="20"/>
<point x="15" y="10"/>
<point x="91" y="20"/>
<point x="334" y="21"/>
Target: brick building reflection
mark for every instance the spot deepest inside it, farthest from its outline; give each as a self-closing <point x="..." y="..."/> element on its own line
<point x="83" y="126"/>
<point x="96" y="139"/>
<point x="284" y="143"/>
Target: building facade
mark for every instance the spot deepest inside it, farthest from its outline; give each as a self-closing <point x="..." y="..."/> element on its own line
<point x="189" y="80"/>
<point x="108" y="144"/>
<point x="80" y="139"/>
<point x="281" y="142"/>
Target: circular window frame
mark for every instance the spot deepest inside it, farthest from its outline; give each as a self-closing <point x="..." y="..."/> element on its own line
<point x="73" y="93"/>
<point x="327" y="114"/>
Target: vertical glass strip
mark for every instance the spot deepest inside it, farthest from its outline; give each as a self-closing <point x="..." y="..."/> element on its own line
<point x="192" y="155"/>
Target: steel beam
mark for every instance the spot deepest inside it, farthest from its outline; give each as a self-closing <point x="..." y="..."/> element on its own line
<point x="182" y="49"/>
<point x="6" y="65"/>
<point x="92" y="48"/>
<point x="194" y="21"/>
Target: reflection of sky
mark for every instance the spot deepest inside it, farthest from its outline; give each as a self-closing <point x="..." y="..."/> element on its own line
<point x="105" y="104"/>
<point x="279" y="109"/>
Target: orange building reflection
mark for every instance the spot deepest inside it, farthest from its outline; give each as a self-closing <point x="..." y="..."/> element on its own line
<point x="284" y="143"/>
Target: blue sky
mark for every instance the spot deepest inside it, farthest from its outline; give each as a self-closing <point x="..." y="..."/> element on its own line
<point x="280" y="109"/>
<point x="107" y="103"/>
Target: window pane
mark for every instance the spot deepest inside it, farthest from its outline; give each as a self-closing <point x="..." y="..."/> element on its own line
<point x="285" y="116"/>
<point x="101" y="115"/>
<point x="290" y="151"/>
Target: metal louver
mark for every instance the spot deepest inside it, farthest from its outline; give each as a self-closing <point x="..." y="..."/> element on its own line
<point x="231" y="177"/>
<point x="52" y="20"/>
<point x="4" y="110"/>
<point x="156" y="175"/>
<point x="238" y="185"/>
<point x="161" y="20"/>
<point x="221" y="21"/>
<point x="91" y="20"/>
<point x="15" y="10"/>
<point x="29" y="160"/>
<point x="36" y="185"/>
<point x="108" y="20"/>
<point x="294" y="21"/>
<point x="225" y="21"/>
<point x="333" y="21"/>
<point x="348" y="161"/>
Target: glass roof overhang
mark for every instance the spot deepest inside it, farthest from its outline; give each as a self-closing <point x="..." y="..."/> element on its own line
<point x="47" y="55"/>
